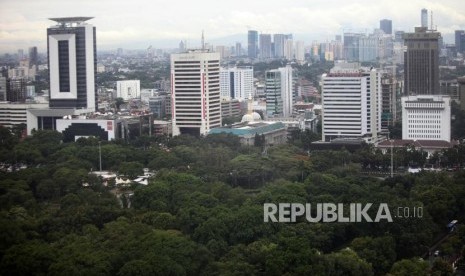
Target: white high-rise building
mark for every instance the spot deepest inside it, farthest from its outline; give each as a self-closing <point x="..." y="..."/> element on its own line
<point x="426" y="117"/>
<point x="195" y="92"/>
<point x="289" y="49"/>
<point x="72" y="62"/>
<point x="279" y="92"/>
<point x="300" y="51"/>
<point x="236" y="82"/>
<point x="128" y="89"/>
<point x="351" y="98"/>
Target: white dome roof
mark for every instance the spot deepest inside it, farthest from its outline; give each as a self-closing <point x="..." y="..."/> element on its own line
<point x="251" y="117"/>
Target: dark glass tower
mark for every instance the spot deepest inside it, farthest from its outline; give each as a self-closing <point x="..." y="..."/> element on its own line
<point x="421" y="62"/>
<point x="252" y="45"/>
<point x="386" y="26"/>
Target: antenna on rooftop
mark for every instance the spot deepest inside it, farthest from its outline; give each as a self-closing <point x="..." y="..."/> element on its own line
<point x="203" y="41"/>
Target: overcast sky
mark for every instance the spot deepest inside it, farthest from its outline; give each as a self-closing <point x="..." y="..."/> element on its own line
<point x="162" y="24"/>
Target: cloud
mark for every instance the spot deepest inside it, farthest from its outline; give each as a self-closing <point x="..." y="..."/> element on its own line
<point x="23" y="23"/>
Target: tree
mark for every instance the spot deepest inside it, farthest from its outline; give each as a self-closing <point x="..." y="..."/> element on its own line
<point x="410" y="267"/>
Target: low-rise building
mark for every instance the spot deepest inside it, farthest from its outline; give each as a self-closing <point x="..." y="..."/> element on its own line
<point x="273" y="132"/>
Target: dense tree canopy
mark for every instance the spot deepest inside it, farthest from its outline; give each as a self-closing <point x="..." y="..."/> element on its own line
<point x="202" y="212"/>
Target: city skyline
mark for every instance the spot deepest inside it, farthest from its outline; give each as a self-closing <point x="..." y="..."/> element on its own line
<point x="139" y="24"/>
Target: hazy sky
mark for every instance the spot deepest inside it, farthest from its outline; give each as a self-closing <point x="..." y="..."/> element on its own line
<point x="162" y="24"/>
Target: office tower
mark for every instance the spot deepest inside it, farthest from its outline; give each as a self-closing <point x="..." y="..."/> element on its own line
<point x="20" y="54"/>
<point x="289" y="49"/>
<point x="386" y="26"/>
<point x="391" y="93"/>
<point x="236" y="82"/>
<point x="265" y="46"/>
<point x="300" y="52"/>
<point x="424" y="18"/>
<point x="460" y="41"/>
<point x="16" y="90"/>
<point x="351" y="46"/>
<point x="252" y="44"/>
<point x="279" y="86"/>
<point x="195" y="92"/>
<point x="426" y="117"/>
<point x="238" y="49"/>
<point x="278" y="40"/>
<point x="461" y="88"/>
<point x="421" y="62"/>
<point x="33" y="57"/>
<point x="368" y="48"/>
<point x="3" y="88"/>
<point x="182" y="46"/>
<point x="351" y="99"/>
<point x="72" y="63"/>
<point x="128" y="89"/>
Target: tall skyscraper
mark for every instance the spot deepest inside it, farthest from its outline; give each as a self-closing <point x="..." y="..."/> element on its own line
<point x="386" y="26"/>
<point x="300" y="51"/>
<point x="421" y="62"/>
<point x="236" y="82"/>
<point x="265" y="46"/>
<point x="252" y="44"/>
<point x="238" y="49"/>
<point x="279" y="86"/>
<point x="351" y="98"/>
<point x="460" y="41"/>
<point x="33" y="57"/>
<point x="278" y="40"/>
<point x="195" y="92"/>
<point x="351" y="46"/>
<point x="72" y="63"/>
<point x="424" y="18"/>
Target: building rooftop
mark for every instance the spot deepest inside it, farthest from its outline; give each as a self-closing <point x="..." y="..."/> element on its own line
<point x="249" y="128"/>
<point x="64" y="20"/>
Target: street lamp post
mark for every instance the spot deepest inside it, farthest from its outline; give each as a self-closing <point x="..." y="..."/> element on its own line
<point x="100" y="156"/>
<point x="392" y="160"/>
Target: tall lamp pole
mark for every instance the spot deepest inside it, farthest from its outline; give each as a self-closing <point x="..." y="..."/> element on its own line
<point x="100" y="156"/>
<point x="392" y="160"/>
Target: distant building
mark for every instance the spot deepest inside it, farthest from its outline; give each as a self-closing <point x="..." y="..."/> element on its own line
<point x="424" y="18"/>
<point x="157" y="105"/>
<point x="421" y="61"/>
<point x="460" y="41"/>
<point x="450" y="88"/>
<point x="128" y="89"/>
<point x="16" y="90"/>
<point x="351" y="98"/>
<point x="426" y="117"/>
<point x="461" y="83"/>
<point x="230" y="108"/>
<point x="195" y="95"/>
<point x="300" y="52"/>
<point x="252" y="44"/>
<point x="3" y="88"/>
<point x="279" y="40"/>
<point x="265" y="46"/>
<point x="33" y="57"/>
<point x="236" y="82"/>
<point x="386" y="26"/>
<point x="391" y="93"/>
